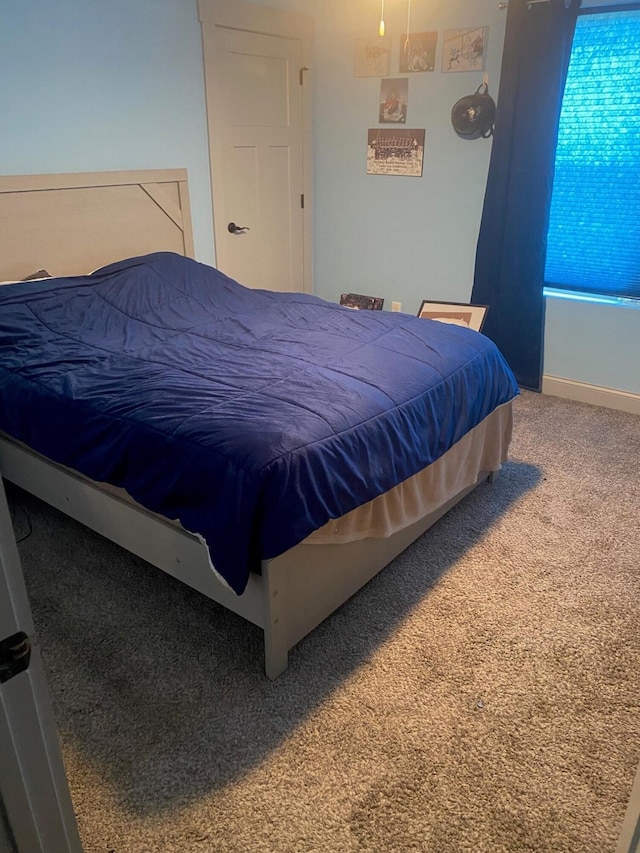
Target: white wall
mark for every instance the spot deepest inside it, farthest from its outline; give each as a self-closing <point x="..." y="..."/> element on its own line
<point x="115" y="84"/>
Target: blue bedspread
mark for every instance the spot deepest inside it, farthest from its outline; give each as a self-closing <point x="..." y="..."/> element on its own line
<point x="251" y="416"/>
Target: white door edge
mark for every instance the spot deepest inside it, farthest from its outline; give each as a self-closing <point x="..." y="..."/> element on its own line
<point x="33" y="784"/>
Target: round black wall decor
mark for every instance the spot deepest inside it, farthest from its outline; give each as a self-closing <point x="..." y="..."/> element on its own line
<point x="474" y="115"/>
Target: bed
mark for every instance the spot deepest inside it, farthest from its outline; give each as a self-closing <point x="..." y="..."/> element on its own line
<point x="273" y="451"/>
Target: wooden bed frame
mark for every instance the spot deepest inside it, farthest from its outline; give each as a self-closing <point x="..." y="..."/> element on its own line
<point x="72" y="224"/>
<point x="297" y="590"/>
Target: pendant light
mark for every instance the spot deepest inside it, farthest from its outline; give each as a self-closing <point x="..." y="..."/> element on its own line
<point x="406" y="44"/>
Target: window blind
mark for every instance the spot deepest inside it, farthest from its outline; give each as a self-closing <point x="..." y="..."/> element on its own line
<point x="593" y="241"/>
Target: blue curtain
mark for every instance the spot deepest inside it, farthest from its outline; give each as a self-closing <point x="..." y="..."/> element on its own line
<point x="511" y="250"/>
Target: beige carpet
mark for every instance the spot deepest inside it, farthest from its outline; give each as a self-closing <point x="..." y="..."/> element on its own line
<point x="482" y="694"/>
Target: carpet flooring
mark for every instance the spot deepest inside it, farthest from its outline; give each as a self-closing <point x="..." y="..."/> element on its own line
<point x="481" y="694"/>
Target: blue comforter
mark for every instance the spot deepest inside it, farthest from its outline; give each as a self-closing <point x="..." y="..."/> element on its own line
<point x="251" y="416"/>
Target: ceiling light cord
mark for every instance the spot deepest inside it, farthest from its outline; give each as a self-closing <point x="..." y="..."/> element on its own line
<point x="407" y="44"/>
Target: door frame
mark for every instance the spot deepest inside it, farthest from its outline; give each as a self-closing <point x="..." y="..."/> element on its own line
<point x="34" y="793"/>
<point x="629" y="839"/>
<point x="264" y="20"/>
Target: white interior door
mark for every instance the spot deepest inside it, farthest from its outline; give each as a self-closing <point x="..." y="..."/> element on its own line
<point x="38" y="815"/>
<point x="257" y="87"/>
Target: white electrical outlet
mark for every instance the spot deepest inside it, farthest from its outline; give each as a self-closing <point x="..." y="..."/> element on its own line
<point x="396" y="306"/>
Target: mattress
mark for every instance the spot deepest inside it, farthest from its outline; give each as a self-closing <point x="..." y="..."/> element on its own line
<point x="253" y="418"/>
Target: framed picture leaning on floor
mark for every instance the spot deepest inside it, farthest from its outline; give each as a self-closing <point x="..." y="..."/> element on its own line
<point x="455" y="313"/>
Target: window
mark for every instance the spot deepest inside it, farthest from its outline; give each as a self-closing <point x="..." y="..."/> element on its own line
<point x="593" y="242"/>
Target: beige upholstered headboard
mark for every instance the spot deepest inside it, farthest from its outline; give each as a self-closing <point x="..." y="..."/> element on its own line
<point x="69" y="224"/>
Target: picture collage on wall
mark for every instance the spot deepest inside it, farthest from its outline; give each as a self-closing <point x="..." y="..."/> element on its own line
<point x="400" y="151"/>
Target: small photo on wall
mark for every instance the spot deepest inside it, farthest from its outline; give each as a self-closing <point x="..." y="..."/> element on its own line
<point x="418" y="52"/>
<point x="395" y="152"/>
<point x="465" y="50"/>
<point x="372" y="57"/>
<point x="394" y="97"/>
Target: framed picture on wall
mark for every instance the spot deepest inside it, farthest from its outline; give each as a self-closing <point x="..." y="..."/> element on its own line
<point x="372" y="57"/>
<point x="465" y="50"/>
<point x="417" y="52"/>
<point x="454" y="313"/>
<point x="395" y="152"/>
<point x="394" y="97"/>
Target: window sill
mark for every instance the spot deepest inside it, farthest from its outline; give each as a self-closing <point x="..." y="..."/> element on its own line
<point x="617" y="301"/>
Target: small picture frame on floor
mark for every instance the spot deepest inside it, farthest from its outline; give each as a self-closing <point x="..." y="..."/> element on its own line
<point x="454" y="313"/>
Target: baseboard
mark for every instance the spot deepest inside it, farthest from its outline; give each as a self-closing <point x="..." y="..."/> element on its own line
<point x="610" y="398"/>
